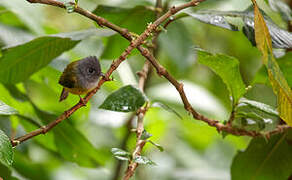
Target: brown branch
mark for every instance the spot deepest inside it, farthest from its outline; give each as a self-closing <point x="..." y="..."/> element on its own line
<point x="161" y="71"/>
<point x="132" y="166"/>
<point x="139" y="144"/>
<point x="102" y="22"/>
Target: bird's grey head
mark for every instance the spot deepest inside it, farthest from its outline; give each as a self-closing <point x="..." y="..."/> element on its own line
<point x="90" y="71"/>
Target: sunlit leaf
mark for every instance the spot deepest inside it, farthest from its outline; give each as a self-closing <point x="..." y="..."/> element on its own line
<point x="126" y="99"/>
<point x="6" y="110"/>
<point x="227" y="68"/>
<point x="6" y="151"/>
<point x="264" y="160"/>
<point x="277" y="79"/>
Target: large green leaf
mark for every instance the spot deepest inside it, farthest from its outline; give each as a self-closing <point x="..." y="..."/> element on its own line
<point x="126" y="99"/>
<point x="277" y="79"/>
<point x="134" y="19"/>
<point x="264" y="161"/>
<point x="6" y="110"/>
<point x="227" y="68"/>
<point x="6" y="152"/>
<point x="22" y="61"/>
<point x="281" y="38"/>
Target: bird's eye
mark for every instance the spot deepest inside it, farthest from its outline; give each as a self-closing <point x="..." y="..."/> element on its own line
<point x="90" y="70"/>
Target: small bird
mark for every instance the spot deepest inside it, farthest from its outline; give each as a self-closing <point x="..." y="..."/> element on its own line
<point x="80" y="77"/>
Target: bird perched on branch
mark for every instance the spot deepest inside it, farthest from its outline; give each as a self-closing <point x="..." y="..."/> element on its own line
<point x="80" y="77"/>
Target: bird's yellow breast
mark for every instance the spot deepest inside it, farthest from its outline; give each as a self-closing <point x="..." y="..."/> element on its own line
<point x="77" y="91"/>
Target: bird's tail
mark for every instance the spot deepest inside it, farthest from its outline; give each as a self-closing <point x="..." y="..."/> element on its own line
<point x="64" y="95"/>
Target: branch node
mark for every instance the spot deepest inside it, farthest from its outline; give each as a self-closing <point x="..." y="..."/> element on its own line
<point x="172" y="10"/>
<point x="141" y="74"/>
<point x="14" y="143"/>
<point x="44" y="129"/>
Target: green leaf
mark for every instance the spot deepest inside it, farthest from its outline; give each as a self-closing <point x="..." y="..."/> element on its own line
<point x="22" y="61"/>
<point x="227" y="68"/>
<point x="281" y="38"/>
<point x="264" y="161"/>
<point x="6" y="151"/>
<point x="260" y="106"/>
<point x="277" y="79"/>
<point x="143" y="160"/>
<point x="145" y="135"/>
<point x="167" y="108"/>
<point x="6" y="110"/>
<point x="75" y="147"/>
<point x="161" y="149"/>
<point x="121" y="154"/>
<point x="125" y="99"/>
<point x="134" y="19"/>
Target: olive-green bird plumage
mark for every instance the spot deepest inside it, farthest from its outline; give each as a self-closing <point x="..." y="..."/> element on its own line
<point x="80" y="77"/>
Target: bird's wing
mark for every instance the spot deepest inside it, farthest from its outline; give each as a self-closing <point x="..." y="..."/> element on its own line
<point x="68" y="78"/>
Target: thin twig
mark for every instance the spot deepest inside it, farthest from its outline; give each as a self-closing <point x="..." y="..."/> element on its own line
<point x="139" y="144"/>
<point x="143" y="74"/>
<point x="118" y="167"/>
